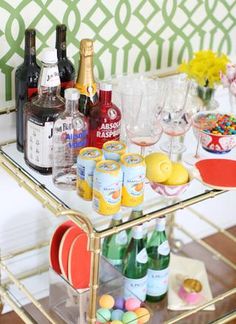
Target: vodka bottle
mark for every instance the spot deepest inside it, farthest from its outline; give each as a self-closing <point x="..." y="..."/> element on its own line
<point x="69" y="137"/>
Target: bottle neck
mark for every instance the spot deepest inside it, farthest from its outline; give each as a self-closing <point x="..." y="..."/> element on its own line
<point x="30" y="51"/>
<point x="72" y="106"/>
<point x="85" y="76"/>
<point x="49" y="80"/>
<point x="105" y="97"/>
<point x="61" y="44"/>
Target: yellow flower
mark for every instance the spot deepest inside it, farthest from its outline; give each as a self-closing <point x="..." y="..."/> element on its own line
<point x="205" y="67"/>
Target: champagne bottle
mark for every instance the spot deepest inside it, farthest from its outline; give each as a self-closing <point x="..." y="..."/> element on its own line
<point x="135" y="266"/>
<point x="65" y="66"/>
<point x="114" y="246"/>
<point x="158" y="263"/>
<point x="26" y="80"/>
<point x="40" y="115"/>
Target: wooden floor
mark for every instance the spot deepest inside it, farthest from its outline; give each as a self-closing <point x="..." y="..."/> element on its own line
<point x="223" y="245"/>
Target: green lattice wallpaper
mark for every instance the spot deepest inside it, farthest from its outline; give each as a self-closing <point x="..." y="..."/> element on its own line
<point x="131" y="35"/>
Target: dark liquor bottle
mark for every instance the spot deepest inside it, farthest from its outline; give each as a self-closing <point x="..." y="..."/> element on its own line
<point x="40" y="115"/>
<point x="110" y="119"/>
<point x="65" y="66"/>
<point x="158" y="263"/>
<point x="136" y="266"/>
<point x="26" y="80"/>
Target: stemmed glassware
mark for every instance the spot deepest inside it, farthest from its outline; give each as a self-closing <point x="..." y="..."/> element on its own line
<point x="175" y="118"/>
<point x="141" y="103"/>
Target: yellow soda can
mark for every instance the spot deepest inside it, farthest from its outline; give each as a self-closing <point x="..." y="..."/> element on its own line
<point x="134" y="171"/>
<point x="86" y="164"/>
<point x="112" y="150"/>
<point x="107" y="187"/>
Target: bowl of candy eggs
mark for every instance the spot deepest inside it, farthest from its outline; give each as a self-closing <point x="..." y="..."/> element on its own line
<point x="216" y="131"/>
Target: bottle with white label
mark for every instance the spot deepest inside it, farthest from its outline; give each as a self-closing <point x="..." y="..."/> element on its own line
<point x="158" y="263"/>
<point x="114" y="246"/>
<point x="136" y="266"/>
<point x="40" y="115"/>
<point x="69" y="137"/>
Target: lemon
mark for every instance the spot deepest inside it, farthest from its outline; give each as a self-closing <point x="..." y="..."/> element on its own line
<point x="159" y="167"/>
<point x="179" y="175"/>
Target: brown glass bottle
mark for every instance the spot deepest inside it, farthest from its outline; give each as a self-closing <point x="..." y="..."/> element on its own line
<point x="26" y="80"/>
<point x="40" y="115"/>
<point x="65" y="66"/>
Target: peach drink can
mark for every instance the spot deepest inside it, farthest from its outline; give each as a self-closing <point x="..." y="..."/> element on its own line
<point x="86" y="164"/>
<point x="134" y="171"/>
<point x="107" y="187"/>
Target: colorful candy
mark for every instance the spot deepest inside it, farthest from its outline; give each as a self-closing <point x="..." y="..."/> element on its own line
<point x="119" y="302"/>
<point x="143" y="315"/>
<point x="117" y="314"/>
<point x="103" y="315"/>
<point x="106" y="301"/>
<point x="129" y="317"/>
<point x="217" y="124"/>
<point x="132" y="303"/>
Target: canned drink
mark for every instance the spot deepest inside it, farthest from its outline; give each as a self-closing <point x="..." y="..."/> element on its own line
<point x="86" y="164"/>
<point x="107" y="187"/>
<point x="113" y="150"/>
<point x="134" y="172"/>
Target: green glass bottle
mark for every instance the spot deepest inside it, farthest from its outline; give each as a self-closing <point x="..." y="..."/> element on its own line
<point x="137" y="212"/>
<point x="158" y="263"/>
<point x="114" y="246"/>
<point x="136" y="266"/>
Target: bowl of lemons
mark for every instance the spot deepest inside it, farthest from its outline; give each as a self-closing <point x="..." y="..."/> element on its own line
<point x="167" y="178"/>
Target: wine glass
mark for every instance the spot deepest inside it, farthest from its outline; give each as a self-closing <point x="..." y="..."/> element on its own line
<point x="141" y="103"/>
<point x="175" y="118"/>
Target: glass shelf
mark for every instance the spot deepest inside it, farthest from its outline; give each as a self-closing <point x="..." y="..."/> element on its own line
<point x="70" y="199"/>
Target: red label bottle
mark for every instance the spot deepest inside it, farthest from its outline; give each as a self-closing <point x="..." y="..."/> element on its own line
<point x="108" y="128"/>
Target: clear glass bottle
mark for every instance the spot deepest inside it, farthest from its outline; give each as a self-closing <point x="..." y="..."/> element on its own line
<point x="114" y="246"/>
<point x="158" y="263"/>
<point x="70" y="134"/>
<point x="26" y="81"/>
<point x="136" y="266"/>
<point x="40" y="115"/>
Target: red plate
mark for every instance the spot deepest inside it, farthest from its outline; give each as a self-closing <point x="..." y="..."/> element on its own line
<point x="55" y="243"/>
<point x="218" y="173"/>
<point x="69" y="236"/>
<point x="79" y="263"/>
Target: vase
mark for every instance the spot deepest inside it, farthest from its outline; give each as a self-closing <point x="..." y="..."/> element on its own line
<point x="206" y="94"/>
<point x="232" y="101"/>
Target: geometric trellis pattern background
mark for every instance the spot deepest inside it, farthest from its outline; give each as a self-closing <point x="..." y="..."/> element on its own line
<point x="130" y="35"/>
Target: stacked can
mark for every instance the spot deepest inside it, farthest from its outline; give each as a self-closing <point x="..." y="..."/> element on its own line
<point x="86" y="164"/>
<point x="134" y="171"/>
<point x="113" y="150"/>
<point x="107" y="187"/>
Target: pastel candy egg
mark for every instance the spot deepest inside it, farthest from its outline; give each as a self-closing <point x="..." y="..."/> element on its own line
<point x="117" y="314"/>
<point x="106" y="301"/>
<point x="129" y="317"/>
<point x="132" y="303"/>
<point x="119" y="302"/>
<point x="103" y="315"/>
<point x="143" y="315"/>
<point x="116" y="322"/>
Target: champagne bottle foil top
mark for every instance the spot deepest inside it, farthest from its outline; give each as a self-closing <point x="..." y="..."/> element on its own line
<point x="72" y="94"/>
<point x="137" y="232"/>
<point x="103" y="86"/>
<point x="49" y="56"/>
<point x="117" y="216"/>
<point x="86" y="47"/>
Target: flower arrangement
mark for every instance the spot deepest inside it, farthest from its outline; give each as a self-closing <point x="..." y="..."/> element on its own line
<point x="205" y="68"/>
<point x="228" y="78"/>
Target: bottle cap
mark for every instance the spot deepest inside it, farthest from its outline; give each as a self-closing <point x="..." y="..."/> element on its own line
<point x="117" y="216"/>
<point x="61" y="27"/>
<point x="137" y="232"/>
<point x="105" y="86"/>
<point x="161" y="223"/>
<point x="49" y="55"/>
<point x="72" y="94"/>
<point x="30" y="31"/>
